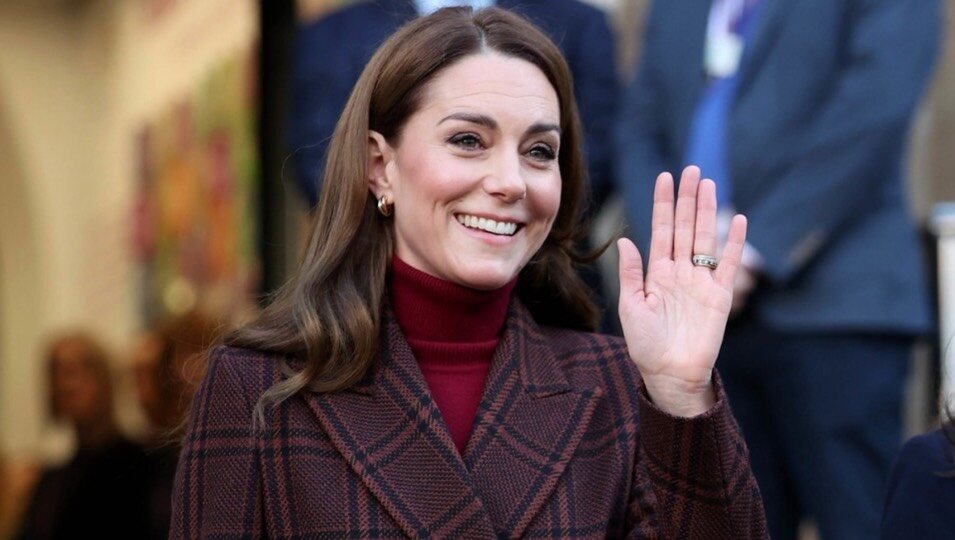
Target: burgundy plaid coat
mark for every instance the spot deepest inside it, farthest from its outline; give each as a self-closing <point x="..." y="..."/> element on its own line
<point x="565" y="444"/>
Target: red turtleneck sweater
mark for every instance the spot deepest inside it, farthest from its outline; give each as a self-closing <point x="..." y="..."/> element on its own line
<point x="453" y="332"/>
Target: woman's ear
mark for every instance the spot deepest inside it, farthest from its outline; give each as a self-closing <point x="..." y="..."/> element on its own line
<point x="380" y="154"/>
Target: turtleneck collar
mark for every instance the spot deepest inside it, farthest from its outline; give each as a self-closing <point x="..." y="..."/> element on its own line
<point x="431" y="309"/>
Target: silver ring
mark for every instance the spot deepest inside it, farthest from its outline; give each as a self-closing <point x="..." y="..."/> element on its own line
<point x="708" y="261"/>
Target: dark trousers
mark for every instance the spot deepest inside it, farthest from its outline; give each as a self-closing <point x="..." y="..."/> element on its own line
<point x="821" y="414"/>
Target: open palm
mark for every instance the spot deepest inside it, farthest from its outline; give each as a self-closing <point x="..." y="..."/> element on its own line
<point x="674" y="318"/>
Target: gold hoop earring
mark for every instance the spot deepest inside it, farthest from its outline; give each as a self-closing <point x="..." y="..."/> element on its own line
<point x="383" y="206"/>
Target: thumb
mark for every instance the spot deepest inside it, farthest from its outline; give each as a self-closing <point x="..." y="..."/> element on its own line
<point x="631" y="268"/>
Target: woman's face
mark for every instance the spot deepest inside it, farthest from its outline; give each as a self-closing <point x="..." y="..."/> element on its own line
<point x="475" y="180"/>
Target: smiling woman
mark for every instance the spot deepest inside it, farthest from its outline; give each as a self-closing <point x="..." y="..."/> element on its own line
<point x="428" y="371"/>
<point x="476" y="168"/>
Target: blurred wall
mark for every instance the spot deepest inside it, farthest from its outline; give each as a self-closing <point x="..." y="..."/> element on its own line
<point x="51" y="113"/>
<point x="78" y="79"/>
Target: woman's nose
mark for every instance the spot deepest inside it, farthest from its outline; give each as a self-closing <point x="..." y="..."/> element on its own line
<point x="506" y="181"/>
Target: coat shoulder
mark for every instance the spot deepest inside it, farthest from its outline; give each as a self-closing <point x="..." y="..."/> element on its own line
<point x="256" y="369"/>
<point x="919" y="494"/>
<point x="925" y="456"/>
<point x="590" y="359"/>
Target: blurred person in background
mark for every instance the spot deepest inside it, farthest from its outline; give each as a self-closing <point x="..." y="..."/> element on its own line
<point x="331" y="52"/>
<point x="101" y="491"/>
<point x="169" y="362"/>
<point x="921" y="495"/>
<point x="799" y="110"/>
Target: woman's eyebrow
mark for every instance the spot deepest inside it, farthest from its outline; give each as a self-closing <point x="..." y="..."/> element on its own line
<point x="489" y="122"/>
<point x="480" y="119"/>
<point x="542" y="127"/>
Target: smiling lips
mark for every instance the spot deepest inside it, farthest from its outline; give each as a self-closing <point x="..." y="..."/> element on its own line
<point x="503" y="228"/>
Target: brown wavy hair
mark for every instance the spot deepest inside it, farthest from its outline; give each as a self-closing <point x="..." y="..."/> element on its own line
<point x="329" y="314"/>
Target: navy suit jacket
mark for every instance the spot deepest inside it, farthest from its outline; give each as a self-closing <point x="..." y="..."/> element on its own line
<point x="817" y="132"/>
<point x="921" y="498"/>
<point x="331" y="52"/>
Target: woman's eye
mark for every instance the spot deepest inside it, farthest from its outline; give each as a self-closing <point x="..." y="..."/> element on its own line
<point x="542" y="152"/>
<point x="467" y="141"/>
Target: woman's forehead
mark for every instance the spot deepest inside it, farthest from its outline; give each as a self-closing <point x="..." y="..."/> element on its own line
<point x="493" y="82"/>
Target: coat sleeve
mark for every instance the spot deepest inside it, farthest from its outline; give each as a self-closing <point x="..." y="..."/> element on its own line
<point x="217" y="489"/>
<point x="693" y="478"/>
<point x="829" y="171"/>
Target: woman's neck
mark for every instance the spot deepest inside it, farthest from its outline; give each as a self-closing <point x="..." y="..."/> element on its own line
<point x="431" y="309"/>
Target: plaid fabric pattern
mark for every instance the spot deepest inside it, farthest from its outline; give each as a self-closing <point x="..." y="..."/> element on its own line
<point x="566" y="444"/>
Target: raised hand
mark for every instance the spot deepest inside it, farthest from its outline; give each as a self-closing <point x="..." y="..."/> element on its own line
<point x="674" y="318"/>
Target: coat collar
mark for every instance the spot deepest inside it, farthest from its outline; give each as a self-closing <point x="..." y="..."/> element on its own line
<point x="528" y="424"/>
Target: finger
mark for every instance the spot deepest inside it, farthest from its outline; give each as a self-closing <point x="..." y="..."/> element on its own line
<point x="684" y="220"/>
<point x="631" y="269"/>
<point x="661" y="238"/>
<point x="704" y="241"/>
<point x="726" y="271"/>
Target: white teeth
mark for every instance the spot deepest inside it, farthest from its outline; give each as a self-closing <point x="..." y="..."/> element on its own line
<point x="495" y="227"/>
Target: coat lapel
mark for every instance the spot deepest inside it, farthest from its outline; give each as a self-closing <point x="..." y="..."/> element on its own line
<point x="528" y="425"/>
<point x="391" y="434"/>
